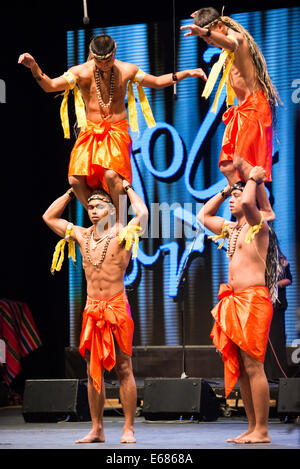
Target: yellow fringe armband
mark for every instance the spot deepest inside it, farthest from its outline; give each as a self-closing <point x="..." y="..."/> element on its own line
<point x="146" y="109"/>
<point x="224" y="234"/>
<point x="130" y="234"/>
<point x="79" y="105"/>
<point x="253" y="230"/>
<point x="213" y="76"/>
<point x="58" y="256"/>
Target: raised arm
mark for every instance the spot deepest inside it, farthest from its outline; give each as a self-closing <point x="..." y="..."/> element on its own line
<point x="139" y="208"/>
<point x="52" y="216"/>
<point x="250" y="209"/>
<point x="229" y="42"/>
<point x="207" y="215"/>
<point x="48" y="84"/>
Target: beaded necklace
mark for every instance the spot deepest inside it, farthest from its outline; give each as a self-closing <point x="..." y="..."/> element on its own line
<point x="102" y="104"/>
<point x="87" y="249"/>
<point x="232" y="240"/>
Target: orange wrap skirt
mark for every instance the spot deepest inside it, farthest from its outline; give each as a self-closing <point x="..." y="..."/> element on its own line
<point x="249" y="133"/>
<point x="104" y="320"/>
<point x="242" y="320"/>
<point x="105" y="145"/>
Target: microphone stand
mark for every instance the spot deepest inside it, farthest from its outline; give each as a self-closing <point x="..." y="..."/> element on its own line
<point x="179" y="298"/>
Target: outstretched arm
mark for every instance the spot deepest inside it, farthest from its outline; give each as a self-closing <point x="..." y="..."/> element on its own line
<point x="52" y="216"/>
<point x="46" y="83"/>
<point x="207" y="215"/>
<point x="163" y="81"/>
<point x="229" y="42"/>
<point x="138" y="206"/>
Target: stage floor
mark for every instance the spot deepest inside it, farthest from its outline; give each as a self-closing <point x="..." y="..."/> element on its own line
<point x="15" y="433"/>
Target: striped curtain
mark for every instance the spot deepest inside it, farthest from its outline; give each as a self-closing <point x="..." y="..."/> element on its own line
<point x="18" y="331"/>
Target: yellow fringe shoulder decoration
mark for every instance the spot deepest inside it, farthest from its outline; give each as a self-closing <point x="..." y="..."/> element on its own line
<point x="213" y="76"/>
<point x="253" y="230"/>
<point x="58" y="256"/>
<point x="130" y="234"/>
<point x="223" y="235"/>
<point x="79" y="105"/>
<point x="146" y="109"/>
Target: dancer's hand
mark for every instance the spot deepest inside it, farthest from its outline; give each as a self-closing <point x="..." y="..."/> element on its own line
<point x="258" y="173"/>
<point x="125" y="183"/>
<point x="198" y="72"/>
<point x="27" y="60"/>
<point x="195" y="30"/>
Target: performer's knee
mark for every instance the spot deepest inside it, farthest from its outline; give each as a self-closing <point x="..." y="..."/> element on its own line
<point x="111" y="177"/>
<point x="76" y="181"/>
<point x="123" y="368"/>
<point x="226" y="168"/>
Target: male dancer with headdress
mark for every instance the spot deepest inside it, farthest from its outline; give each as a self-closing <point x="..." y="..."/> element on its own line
<point x="101" y="155"/>
<point x="244" y="312"/>
<point x="107" y="327"/>
<point x="247" y="140"/>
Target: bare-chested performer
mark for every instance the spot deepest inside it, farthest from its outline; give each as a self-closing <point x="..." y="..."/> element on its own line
<point x="101" y="155"/>
<point x="107" y="327"/>
<point x="247" y="140"/>
<point x="244" y="312"/>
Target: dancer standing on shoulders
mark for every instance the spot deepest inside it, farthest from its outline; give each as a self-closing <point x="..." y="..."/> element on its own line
<point x="247" y="141"/>
<point x="101" y="154"/>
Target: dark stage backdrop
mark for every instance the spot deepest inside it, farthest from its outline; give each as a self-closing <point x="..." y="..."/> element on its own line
<point x="176" y="162"/>
<point x="175" y="169"/>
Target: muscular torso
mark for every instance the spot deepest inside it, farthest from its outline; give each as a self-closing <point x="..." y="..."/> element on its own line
<point x="243" y="76"/>
<point x="247" y="265"/>
<point x="106" y="280"/>
<point x="123" y="72"/>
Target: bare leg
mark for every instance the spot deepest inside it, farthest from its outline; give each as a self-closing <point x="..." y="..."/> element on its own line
<point x="229" y="172"/>
<point x="96" y="404"/>
<point x="80" y="188"/>
<point x="244" y="169"/>
<point x="247" y="401"/>
<point x="115" y="185"/>
<point x="128" y="395"/>
<point x="260" y="396"/>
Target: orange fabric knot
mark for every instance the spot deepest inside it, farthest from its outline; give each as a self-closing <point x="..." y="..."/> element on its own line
<point x="242" y="321"/>
<point x="104" y="320"/>
<point x="101" y="146"/>
<point x="249" y="133"/>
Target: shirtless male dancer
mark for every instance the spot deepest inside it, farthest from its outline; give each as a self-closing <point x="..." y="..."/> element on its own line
<point x="247" y="139"/>
<point x="107" y="327"/>
<point x="101" y="154"/>
<point x="244" y="312"/>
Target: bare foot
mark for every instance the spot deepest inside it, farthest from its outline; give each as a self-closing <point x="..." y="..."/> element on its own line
<point x="237" y="438"/>
<point x="128" y="437"/>
<point x="93" y="437"/>
<point x="256" y="437"/>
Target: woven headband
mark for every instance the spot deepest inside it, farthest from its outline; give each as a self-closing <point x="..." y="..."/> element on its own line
<point x="103" y="57"/>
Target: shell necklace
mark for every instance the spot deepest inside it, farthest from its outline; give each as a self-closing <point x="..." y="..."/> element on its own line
<point x="233" y="237"/>
<point x="93" y="243"/>
<point x="103" y="254"/>
<point x="102" y="104"/>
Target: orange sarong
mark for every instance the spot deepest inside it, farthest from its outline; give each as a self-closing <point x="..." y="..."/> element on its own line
<point x="242" y="320"/>
<point x="105" y="145"/>
<point x="102" y="321"/>
<point x="249" y="133"/>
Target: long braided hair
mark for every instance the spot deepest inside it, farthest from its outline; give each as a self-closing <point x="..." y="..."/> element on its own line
<point x="208" y="17"/>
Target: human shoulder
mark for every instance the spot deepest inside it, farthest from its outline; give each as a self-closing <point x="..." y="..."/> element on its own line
<point x="128" y="69"/>
<point x="84" y="70"/>
<point x="81" y="233"/>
